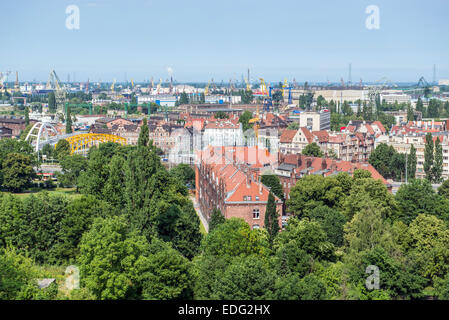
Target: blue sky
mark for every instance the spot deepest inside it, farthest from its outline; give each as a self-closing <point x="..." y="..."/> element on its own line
<point x="200" y="40"/>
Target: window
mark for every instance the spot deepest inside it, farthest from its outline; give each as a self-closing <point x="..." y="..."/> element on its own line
<point x="249" y="198"/>
<point x="256" y="226"/>
<point x="257" y="198"/>
<point x="256" y="213"/>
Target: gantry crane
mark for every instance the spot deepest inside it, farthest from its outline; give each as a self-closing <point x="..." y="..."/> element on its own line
<point x="158" y="89"/>
<point x="59" y="89"/>
<point x="256" y="122"/>
<point x="206" y="89"/>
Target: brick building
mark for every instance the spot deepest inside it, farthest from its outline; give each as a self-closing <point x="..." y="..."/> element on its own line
<point x="229" y="179"/>
<point x="292" y="167"/>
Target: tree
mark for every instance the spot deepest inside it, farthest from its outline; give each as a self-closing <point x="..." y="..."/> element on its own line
<point x="313" y="191"/>
<point x="16" y="272"/>
<point x="307" y="236"/>
<point x="380" y="159"/>
<point x="271" y="218"/>
<point x="411" y="163"/>
<point x="17" y="172"/>
<point x="231" y="239"/>
<point x="437" y="168"/>
<point x="185" y="173"/>
<point x="414" y="198"/>
<point x="410" y="113"/>
<point x="428" y="156"/>
<point x="62" y="149"/>
<point x="443" y="190"/>
<point x="51" y="102"/>
<point x="113" y="190"/>
<point x="293" y="126"/>
<point x="332" y="223"/>
<point x="216" y="219"/>
<point x="272" y="181"/>
<point x="293" y="287"/>
<point x="313" y="150"/>
<point x="111" y="259"/>
<point x="144" y="135"/>
<point x="72" y="166"/>
<point x="166" y="275"/>
<point x="68" y="121"/>
<point x="27" y="116"/>
<point x="247" y="278"/>
<point x="221" y="115"/>
<point x="244" y="120"/>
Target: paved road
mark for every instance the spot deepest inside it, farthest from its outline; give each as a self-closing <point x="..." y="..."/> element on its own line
<point x="200" y="214"/>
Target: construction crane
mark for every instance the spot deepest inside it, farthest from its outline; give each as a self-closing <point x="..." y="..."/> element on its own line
<point x="4" y="78"/>
<point x="248" y="86"/>
<point x="59" y="89"/>
<point x="286" y="87"/>
<point x="256" y="125"/>
<point x="263" y="87"/>
<point x="158" y="89"/>
<point x="206" y="89"/>
<point x="113" y="85"/>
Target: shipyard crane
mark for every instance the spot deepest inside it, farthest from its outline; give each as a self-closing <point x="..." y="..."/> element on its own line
<point x="256" y="124"/>
<point x="248" y="85"/>
<point x="113" y="85"/>
<point x="59" y="89"/>
<point x="206" y="89"/>
<point x="4" y="78"/>
<point x="158" y="89"/>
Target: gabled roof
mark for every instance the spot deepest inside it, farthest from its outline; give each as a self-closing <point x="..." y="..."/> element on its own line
<point x="288" y="135"/>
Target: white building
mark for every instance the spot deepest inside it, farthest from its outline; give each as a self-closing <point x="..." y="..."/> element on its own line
<point x="223" y="133"/>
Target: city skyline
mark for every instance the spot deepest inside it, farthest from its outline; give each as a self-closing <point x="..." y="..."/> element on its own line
<point x="201" y="40"/>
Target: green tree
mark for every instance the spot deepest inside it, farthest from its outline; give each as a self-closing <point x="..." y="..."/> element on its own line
<point x="17" y="172"/>
<point x="111" y="259"/>
<point x="185" y="173"/>
<point x="332" y="223"/>
<point x="428" y="156"/>
<point x="51" y="102"/>
<point x="380" y="159"/>
<point x="113" y="190"/>
<point x="68" y="121"/>
<point x="410" y="113"/>
<point x="313" y="191"/>
<point x="414" y="198"/>
<point x="271" y="218"/>
<point x="312" y="150"/>
<point x="144" y="135"/>
<point x="221" y="115"/>
<point x="16" y="272"/>
<point x="247" y="278"/>
<point x="293" y="126"/>
<point x="62" y="149"/>
<point x="244" y="120"/>
<point x="166" y="275"/>
<point x="272" y="181"/>
<point x="443" y="190"/>
<point x="216" y="219"/>
<point x="437" y="168"/>
<point x="411" y="163"/>
<point x="72" y="166"/>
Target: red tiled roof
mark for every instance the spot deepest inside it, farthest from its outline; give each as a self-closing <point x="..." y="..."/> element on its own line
<point x="308" y="134"/>
<point x="287" y="136"/>
<point x="323" y="135"/>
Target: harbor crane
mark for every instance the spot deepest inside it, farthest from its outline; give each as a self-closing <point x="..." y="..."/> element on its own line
<point x="60" y="91"/>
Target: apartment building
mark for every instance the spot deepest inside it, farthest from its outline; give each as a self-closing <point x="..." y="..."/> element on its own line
<point x="229" y="179"/>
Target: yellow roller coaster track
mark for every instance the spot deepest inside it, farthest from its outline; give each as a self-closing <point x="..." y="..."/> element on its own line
<point x="82" y="142"/>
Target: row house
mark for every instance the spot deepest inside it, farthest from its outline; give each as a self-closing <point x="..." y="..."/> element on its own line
<point x="294" y="141"/>
<point x="162" y="135"/>
<point x="292" y="167"/>
<point x="402" y="140"/>
<point x="226" y="183"/>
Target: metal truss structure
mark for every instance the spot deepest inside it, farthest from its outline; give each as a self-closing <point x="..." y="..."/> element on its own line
<point x="40" y="134"/>
<point x="81" y="143"/>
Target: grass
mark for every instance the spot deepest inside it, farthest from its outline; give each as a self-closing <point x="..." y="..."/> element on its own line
<point x="69" y="192"/>
<point x="202" y="229"/>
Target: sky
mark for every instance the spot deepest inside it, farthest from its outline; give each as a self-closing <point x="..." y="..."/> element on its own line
<point x="198" y="40"/>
